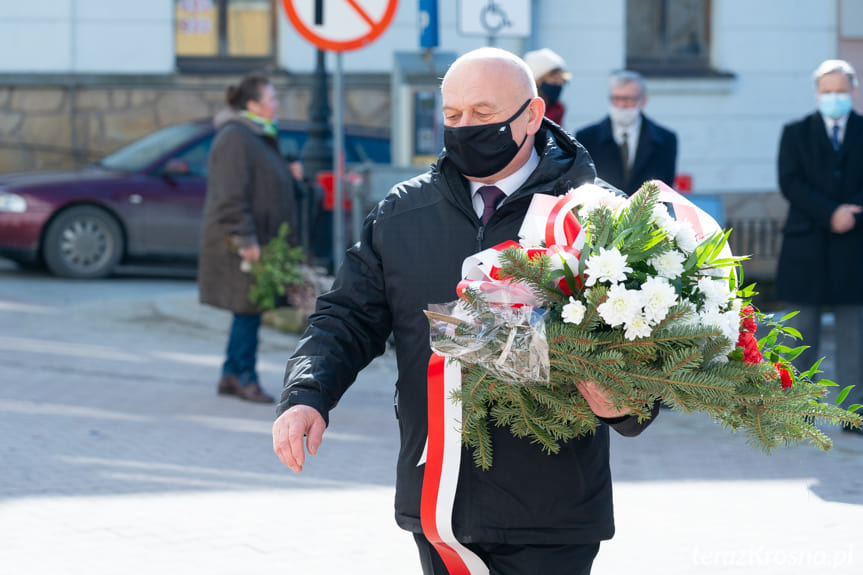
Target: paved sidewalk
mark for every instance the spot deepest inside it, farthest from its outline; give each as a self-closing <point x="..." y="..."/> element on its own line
<point x="117" y="456"/>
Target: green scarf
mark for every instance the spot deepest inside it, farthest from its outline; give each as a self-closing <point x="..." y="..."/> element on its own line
<point x="270" y="127"/>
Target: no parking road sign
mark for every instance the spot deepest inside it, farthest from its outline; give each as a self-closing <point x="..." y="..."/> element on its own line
<point x="340" y="25"/>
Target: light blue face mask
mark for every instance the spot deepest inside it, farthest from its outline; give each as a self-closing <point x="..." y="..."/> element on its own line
<point x="834" y="105"/>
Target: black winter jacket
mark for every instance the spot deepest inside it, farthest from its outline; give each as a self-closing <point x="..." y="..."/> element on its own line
<point x="410" y="254"/>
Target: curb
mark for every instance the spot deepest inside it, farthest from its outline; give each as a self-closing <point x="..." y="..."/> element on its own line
<point x="185" y="308"/>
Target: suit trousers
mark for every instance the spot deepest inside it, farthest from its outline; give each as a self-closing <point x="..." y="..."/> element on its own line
<point x="505" y="559"/>
<point x="849" y="344"/>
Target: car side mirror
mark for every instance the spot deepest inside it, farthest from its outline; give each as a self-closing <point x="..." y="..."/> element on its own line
<point x="176" y="167"/>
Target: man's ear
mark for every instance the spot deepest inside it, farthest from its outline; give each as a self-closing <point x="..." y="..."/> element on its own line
<point x="536" y="111"/>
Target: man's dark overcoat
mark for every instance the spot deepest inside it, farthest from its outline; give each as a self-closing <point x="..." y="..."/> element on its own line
<point x="655" y="155"/>
<point x="817" y="266"/>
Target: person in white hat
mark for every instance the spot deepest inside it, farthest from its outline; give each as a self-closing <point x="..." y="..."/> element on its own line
<point x="550" y="75"/>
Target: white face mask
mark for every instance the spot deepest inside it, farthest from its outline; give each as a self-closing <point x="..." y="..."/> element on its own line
<point x="623" y="116"/>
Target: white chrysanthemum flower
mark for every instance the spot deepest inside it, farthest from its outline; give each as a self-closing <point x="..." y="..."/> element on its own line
<point x="685" y="236"/>
<point x="606" y="266"/>
<point x="715" y="272"/>
<point x="638" y="326"/>
<point x="573" y="312"/>
<point x="621" y="305"/>
<point x="731" y="325"/>
<point x="671" y="227"/>
<point x="663" y="219"/>
<point x="657" y="296"/>
<point x="736" y="306"/>
<point x="593" y="196"/>
<point x="711" y="316"/>
<point x="668" y="264"/>
<point x="716" y="292"/>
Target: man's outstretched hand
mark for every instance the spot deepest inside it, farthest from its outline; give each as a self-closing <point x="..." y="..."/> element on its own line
<point x="288" y="431"/>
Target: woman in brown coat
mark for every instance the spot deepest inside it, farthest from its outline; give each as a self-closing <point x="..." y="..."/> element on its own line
<point x="250" y="193"/>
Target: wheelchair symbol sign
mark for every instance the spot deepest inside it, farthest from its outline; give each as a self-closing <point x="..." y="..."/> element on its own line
<point x="495" y="18"/>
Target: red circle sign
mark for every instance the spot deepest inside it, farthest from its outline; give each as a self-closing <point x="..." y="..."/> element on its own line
<point x="340" y="25"/>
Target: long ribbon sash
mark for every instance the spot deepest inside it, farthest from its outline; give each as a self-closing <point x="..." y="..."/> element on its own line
<point x="442" y="462"/>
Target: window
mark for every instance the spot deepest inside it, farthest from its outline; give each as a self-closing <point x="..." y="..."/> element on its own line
<point x="668" y="37"/>
<point x="195" y="158"/>
<point x="141" y="153"/>
<point x="224" y="35"/>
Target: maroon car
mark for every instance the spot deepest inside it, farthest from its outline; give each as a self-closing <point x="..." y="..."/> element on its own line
<point x="141" y="203"/>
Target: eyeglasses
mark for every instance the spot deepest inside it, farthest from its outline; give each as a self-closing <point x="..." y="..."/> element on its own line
<point x="624" y="99"/>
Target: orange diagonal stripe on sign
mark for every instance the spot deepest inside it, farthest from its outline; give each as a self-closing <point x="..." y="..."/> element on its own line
<point x="361" y="12"/>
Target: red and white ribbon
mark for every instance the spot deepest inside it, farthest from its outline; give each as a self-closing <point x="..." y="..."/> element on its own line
<point x="550" y="221"/>
<point x="703" y="224"/>
<point x="481" y="271"/>
<point x="442" y="462"/>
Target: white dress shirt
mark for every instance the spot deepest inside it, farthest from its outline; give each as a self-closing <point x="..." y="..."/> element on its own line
<point x="632" y="132"/>
<point x="508" y="185"/>
<point x="830" y="122"/>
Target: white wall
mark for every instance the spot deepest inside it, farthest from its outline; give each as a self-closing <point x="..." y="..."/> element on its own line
<point x="729" y="133"/>
<point x="87" y="36"/>
<point x="34" y="36"/>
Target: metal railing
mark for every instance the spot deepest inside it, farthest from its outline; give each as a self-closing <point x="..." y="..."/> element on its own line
<point x="761" y="239"/>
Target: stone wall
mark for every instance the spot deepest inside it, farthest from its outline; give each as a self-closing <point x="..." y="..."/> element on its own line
<point x="62" y="122"/>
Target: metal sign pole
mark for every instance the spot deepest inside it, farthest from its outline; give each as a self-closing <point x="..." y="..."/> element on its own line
<point x="339" y="164"/>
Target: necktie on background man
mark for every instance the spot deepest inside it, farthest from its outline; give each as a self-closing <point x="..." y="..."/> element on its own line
<point x="491" y="197"/>
<point x="835" y="138"/>
<point x="624" y="156"/>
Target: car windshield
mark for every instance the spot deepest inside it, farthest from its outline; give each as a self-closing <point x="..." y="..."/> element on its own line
<point x="141" y="153"/>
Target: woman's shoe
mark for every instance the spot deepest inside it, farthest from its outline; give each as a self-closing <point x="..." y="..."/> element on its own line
<point x="253" y="392"/>
<point x="228" y="385"/>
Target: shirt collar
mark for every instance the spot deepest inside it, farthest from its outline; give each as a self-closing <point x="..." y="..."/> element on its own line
<point x="830" y="122"/>
<point x="631" y="131"/>
<point x="512" y="182"/>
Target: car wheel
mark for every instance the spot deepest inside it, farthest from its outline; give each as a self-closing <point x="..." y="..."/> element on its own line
<point x="83" y="242"/>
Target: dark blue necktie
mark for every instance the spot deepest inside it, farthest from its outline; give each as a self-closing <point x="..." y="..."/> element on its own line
<point x="835" y="138"/>
<point x="491" y="197"/>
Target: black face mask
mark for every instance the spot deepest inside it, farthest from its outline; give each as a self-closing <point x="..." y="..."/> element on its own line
<point x="551" y="92"/>
<point x="484" y="150"/>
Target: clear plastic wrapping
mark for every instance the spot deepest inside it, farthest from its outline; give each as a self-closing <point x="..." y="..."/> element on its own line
<point x="507" y="340"/>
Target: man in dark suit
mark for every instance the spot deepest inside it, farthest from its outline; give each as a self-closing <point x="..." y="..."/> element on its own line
<point x="626" y="146"/>
<point x="821" y="176"/>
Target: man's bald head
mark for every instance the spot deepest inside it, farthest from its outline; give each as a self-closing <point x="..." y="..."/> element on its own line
<point x="494" y="61"/>
<point x="493" y="86"/>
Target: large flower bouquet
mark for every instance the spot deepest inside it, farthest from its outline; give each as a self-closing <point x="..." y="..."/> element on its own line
<point x="645" y="304"/>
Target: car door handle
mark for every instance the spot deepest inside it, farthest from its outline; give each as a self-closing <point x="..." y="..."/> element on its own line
<point x="135" y="199"/>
